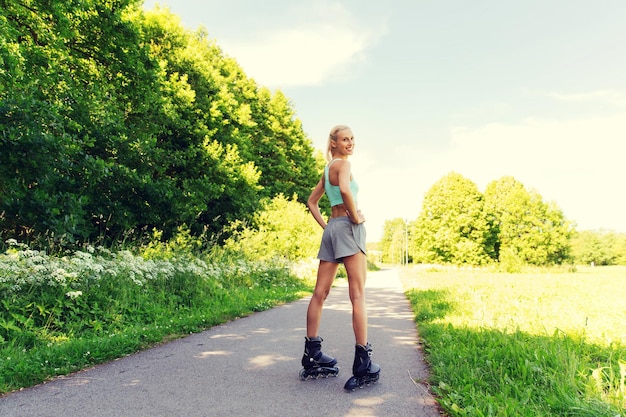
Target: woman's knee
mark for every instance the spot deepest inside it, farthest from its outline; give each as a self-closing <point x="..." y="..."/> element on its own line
<point x="320" y="294"/>
<point x="357" y="295"/>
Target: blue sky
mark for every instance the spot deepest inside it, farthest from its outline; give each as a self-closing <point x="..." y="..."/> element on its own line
<point x="534" y="89"/>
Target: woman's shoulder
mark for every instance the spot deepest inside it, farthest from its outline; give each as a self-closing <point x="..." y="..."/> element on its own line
<point x="344" y="165"/>
<point x="339" y="163"/>
<point x="339" y="169"/>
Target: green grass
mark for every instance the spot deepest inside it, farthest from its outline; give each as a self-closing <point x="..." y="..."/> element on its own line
<point x="542" y="343"/>
<point x="62" y="314"/>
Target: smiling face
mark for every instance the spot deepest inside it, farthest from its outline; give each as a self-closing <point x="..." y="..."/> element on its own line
<point x="343" y="144"/>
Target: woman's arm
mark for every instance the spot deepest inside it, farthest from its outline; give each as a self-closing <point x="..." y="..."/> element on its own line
<point x="313" y="202"/>
<point x="346" y="193"/>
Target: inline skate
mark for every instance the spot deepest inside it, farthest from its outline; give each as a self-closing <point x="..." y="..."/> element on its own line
<point x="316" y="363"/>
<point x="364" y="371"/>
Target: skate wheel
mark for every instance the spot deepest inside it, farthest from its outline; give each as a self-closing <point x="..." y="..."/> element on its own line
<point x="303" y="375"/>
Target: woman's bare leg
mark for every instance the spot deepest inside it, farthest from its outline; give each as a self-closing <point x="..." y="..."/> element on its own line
<point x="325" y="276"/>
<point x="356" y="267"/>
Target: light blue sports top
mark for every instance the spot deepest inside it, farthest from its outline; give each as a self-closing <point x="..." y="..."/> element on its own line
<point x="333" y="192"/>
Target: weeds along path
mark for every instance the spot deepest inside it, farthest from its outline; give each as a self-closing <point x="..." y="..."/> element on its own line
<point x="250" y="367"/>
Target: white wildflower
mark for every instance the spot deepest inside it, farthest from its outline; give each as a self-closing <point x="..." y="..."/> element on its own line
<point x="59" y="276"/>
<point x="74" y="294"/>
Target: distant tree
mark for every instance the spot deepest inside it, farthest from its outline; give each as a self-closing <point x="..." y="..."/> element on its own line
<point x="525" y="229"/>
<point x="619" y="249"/>
<point x="452" y="227"/>
<point x="599" y="247"/>
<point x="393" y="242"/>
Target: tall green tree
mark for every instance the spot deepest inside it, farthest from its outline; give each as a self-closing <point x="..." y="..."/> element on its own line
<point x="65" y="67"/>
<point x="206" y="181"/>
<point x="282" y="151"/>
<point x="114" y="120"/>
<point x="452" y="227"/>
<point x="211" y="100"/>
<point x="525" y="229"/>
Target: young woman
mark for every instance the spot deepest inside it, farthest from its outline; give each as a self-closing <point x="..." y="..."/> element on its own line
<point x="343" y="241"/>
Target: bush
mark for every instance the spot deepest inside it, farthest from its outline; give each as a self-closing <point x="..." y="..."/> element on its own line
<point x="283" y="229"/>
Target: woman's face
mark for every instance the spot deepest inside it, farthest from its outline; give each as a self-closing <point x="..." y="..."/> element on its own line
<point x="344" y="144"/>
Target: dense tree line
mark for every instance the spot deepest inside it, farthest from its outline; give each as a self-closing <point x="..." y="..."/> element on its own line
<point x="507" y="224"/>
<point x="113" y="119"/>
<point x="599" y="247"/>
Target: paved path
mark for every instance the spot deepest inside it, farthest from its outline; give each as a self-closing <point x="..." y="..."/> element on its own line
<point x="249" y="367"/>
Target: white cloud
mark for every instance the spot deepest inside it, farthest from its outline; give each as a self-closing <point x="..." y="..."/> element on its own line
<point x="309" y="52"/>
<point x="543" y="148"/>
<point x="578" y="164"/>
<point x="600" y="96"/>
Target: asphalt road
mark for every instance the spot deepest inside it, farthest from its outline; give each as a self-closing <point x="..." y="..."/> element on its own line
<point x="249" y="367"/>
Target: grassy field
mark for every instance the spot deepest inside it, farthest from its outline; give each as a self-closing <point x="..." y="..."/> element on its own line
<point x="539" y="343"/>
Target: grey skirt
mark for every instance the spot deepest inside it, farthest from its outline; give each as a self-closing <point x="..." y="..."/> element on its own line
<point x="341" y="238"/>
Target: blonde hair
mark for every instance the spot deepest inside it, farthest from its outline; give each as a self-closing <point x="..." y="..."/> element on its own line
<point x="332" y="136"/>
